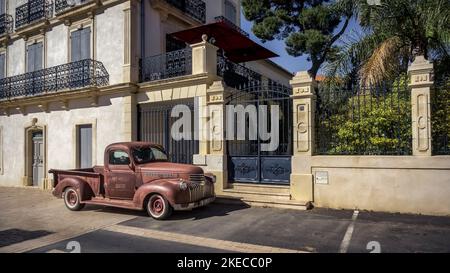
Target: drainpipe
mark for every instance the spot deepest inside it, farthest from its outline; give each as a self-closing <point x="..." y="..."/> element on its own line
<point x="142" y="29"/>
<point x="142" y="37"/>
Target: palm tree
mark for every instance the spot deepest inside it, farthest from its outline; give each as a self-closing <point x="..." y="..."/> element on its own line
<point x="394" y="32"/>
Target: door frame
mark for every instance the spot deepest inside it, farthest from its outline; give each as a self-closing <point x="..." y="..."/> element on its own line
<point x="27" y="179"/>
<point x="80" y="122"/>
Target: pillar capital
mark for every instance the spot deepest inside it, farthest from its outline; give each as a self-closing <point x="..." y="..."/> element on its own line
<point x="421" y="72"/>
<point x="303" y="85"/>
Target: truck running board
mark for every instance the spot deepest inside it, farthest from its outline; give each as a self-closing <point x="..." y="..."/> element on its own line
<point x="126" y="204"/>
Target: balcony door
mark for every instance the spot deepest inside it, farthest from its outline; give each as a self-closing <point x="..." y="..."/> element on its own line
<point x="35" y="81"/>
<point x="80" y="49"/>
<point x="34" y="57"/>
<point x="80" y="44"/>
<point x="2" y="6"/>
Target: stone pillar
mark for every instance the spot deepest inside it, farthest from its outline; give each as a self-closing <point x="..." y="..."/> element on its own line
<point x="303" y="129"/>
<point x="130" y="39"/>
<point x="212" y="156"/>
<point x="421" y="72"/>
<point x="204" y="58"/>
<point x="129" y="105"/>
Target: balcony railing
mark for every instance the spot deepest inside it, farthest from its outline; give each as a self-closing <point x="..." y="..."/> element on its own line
<point x="167" y="65"/>
<point x="75" y="75"/>
<point x="235" y="75"/>
<point x="33" y="11"/>
<point x="194" y="8"/>
<point x="222" y="19"/>
<point x="63" y="5"/>
<point x="6" y="24"/>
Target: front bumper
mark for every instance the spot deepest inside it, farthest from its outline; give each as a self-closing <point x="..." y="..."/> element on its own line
<point x="193" y="205"/>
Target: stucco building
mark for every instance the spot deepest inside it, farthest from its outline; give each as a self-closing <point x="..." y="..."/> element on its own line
<point x="79" y="75"/>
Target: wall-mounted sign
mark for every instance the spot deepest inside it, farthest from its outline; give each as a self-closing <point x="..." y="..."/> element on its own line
<point x="321" y="177"/>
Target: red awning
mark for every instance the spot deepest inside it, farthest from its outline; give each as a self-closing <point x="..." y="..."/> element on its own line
<point x="237" y="46"/>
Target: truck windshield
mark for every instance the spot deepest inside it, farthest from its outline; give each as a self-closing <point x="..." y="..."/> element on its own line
<point x="144" y="155"/>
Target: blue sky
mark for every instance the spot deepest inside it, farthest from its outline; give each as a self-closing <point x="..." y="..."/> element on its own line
<point x="290" y="63"/>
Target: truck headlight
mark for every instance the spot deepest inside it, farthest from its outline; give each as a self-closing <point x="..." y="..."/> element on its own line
<point x="183" y="185"/>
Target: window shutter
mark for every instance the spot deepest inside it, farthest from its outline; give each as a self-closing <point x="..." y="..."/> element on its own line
<point x="2" y="66"/>
<point x="75" y="46"/>
<point x="85" y="43"/>
<point x="2" y="6"/>
<point x="38" y="56"/>
<point x="30" y="58"/>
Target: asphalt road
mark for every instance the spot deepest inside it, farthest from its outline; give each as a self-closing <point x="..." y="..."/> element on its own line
<point x="49" y="227"/>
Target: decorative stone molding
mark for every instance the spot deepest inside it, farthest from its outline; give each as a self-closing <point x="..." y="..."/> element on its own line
<point x="22" y="110"/>
<point x="44" y="107"/>
<point x="64" y="104"/>
<point x="421" y="73"/>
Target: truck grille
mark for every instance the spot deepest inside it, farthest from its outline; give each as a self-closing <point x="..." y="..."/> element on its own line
<point x="198" y="191"/>
<point x="197" y="178"/>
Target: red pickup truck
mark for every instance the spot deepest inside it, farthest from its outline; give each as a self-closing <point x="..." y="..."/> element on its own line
<point x="136" y="175"/>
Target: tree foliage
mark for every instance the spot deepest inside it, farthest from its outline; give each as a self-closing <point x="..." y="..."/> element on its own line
<point x="395" y="31"/>
<point x="309" y="27"/>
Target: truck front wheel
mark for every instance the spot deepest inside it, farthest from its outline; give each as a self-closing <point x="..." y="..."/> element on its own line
<point x="72" y="199"/>
<point x="158" y="207"/>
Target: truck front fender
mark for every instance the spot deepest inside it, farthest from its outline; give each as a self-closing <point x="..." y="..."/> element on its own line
<point x="166" y="188"/>
<point x="81" y="186"/>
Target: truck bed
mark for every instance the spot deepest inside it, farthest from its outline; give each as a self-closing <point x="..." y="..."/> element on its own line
<point x="93" y="176"/>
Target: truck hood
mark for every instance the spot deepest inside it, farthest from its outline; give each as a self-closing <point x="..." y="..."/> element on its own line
<point x="170" y="168"/>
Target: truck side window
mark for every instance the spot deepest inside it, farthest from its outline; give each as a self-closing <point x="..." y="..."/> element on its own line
<point x="119" y="158"/>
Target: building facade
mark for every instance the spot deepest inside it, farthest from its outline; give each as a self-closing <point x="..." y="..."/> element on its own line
<point x="79" y="75"/>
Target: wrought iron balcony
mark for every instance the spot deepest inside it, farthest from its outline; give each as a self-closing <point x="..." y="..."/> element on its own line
<point x="6" y="24"/>
<point x="33" y="11"/>
<point x="222" y="19"/>
<point x="194" y="8"/>
<point x="63" y="5"/>
<point x="167" y="65"/>
<point x="75" y="75"/>
<point x="235" y="75"/>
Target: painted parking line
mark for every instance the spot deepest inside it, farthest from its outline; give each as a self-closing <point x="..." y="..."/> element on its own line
<point x="199" y="241"/>
<point x="348" y="234"/>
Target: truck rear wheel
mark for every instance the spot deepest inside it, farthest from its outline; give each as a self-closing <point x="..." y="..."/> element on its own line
<point x="158" y="207"/>
<point x="72" y="199"/>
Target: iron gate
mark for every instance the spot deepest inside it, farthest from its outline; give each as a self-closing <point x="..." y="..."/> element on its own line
<point x="247" y="161"/>
<point x="155" y="122"/>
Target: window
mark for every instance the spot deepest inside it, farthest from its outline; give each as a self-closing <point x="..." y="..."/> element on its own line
<point x="84" y="146"/>
<point x="144" y="155"/>
<point x="1" y="150"/>
<point x="2" y="7"/>
<point x="80" y="44"/>
<point x="2" y="65"/>
<point x="230" y="12"/>
<point x="34" y="57"/>
<point x="118" y="158"/>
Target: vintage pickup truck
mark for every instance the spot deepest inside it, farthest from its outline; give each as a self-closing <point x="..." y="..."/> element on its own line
<point x="136" y="175"/>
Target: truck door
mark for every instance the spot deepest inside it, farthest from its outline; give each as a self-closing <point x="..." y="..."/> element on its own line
<point x="120" y="177"/>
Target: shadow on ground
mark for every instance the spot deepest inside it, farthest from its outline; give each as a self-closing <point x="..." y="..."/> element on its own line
<point x="211" y="210"/>
<point x="14" y="236"/>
